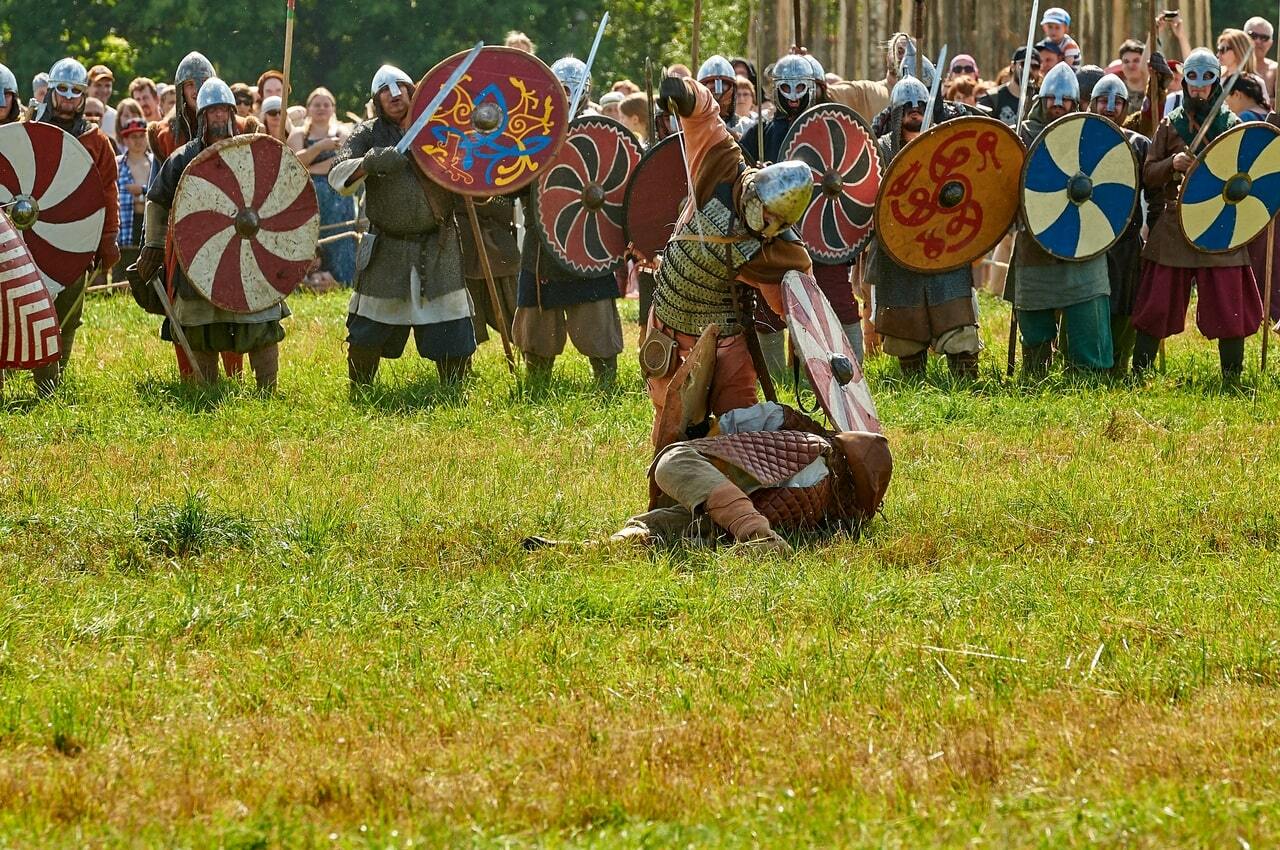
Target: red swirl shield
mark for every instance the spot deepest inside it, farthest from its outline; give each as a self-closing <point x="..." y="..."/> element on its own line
<point x="502" y="124"/>
<point x="51" y="192"/>
<point x="829" y="359"/>
<point x="840" y="149"/>
<point x="245" y="223"/>
<point x="951" y="194"/>
<point x="657" y="191"/>
<point x="577" y="207"/>
<point x="29" y="332"/>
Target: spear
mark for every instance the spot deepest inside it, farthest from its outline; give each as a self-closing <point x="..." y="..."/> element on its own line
<point x="1022" y="104"/>
<point x="290" y="12"/>
<point x="696" y="42"/>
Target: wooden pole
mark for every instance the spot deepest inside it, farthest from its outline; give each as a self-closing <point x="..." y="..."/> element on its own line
<point x="696" y="41"/>
<point x="289" y="15"/>
<point x="796" y="23"/>
<point x="499" y="312"/>
<point x="1266" y="295"/>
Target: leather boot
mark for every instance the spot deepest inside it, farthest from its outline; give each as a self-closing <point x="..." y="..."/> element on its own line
<point x="1144" y="353"/>
<point x="605" y="370"/>
<point x="453" y="370"/>
<point x="1036" y="359"/>
<point x="538" y="367"/>
<point x="964" y="365"/>
<point x="732" y="510"/>
<point x="265" y="363"/>
<point x="915" y="364"/>
<point x="1231" y="357"/>
<point x="362" y="365"/>
<point x="47" y="378"/>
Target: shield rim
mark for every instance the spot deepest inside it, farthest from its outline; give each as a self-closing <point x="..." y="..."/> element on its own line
<point x="632" y="186"/>
<point x="809" y="281"/>
<point x="995" y="124"/>
<point x="562" y="133"/>
<point x="787" y="141"/>
<point x="208" y="153"/>
<point x="1241" y="127"/>
<point x="1026" y="164"/>
<point x="543" y="241"/>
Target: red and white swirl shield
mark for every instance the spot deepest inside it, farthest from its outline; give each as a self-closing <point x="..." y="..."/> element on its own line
<point x="245" y="223"/>
<point x="29" y="333"/>
<point x="828" y="357"/>
<point x="840" y="150"/>
<point x="51" y="192"/>
<point x="579" y="199"/>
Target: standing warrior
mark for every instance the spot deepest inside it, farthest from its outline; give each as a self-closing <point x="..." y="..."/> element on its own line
<point x="1228" y="306"/>
<point x="738" y="228"/>
<point x="798" y="83"/>
<point x="916" y="311"/>
<point x="409" y="270"/>
<point x="10" y="102"/>
<point x="496" y="216"/>
<point x="208" y="329"/>
<point x="1124" y="259"/>
<point x="63" y="107"/>
<point x="720" y="79"/>
<point x="1045" y="287"/>
<point x="551" y="303"/>
<point x="172" y="132"/>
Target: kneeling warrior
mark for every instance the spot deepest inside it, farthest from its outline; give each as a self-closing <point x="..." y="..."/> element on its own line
<point x="917" y="311"/>
<point x="208" y="329"/>
<point x="409" y="269"/>
<point x="738" y="229"/>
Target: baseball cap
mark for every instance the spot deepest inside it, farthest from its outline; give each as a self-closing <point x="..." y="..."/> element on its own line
<point x="271" y="104"/>
<point x="1021" y="53"/>
<point x="131" y="127"/>
<point x="1051" y="46"/>
<point x="612" y="97"/>
<point x="97" y="72"/>
<point x="1056" y="16"/>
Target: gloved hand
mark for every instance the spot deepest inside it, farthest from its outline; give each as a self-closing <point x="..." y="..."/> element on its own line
<point x="381" y="162"/>
<point x="108" y="252"/>
<point x="149" y="261"/>
<point x="673" y="90"/>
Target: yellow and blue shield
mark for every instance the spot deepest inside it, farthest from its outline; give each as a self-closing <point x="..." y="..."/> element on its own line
<point x="1233" y="190"/>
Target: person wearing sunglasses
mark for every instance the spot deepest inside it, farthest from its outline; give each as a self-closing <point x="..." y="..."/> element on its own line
<point x="964" y="65"/>
<point x="1229" y="308"/>
<point x="63" y="106"/>
<point x="1235" y="52"/>
<point x="1262" y="34"/>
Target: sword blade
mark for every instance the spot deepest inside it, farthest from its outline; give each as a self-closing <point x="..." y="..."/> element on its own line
<point x="430" y="111"/>
<point x="933" y="90"/>
<point x="1194" y="147"/>
<point x="1026" y="65"/>
<point x="591" y="58"/>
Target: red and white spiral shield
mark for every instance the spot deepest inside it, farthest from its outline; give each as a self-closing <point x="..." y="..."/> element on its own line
<point x="29" y="333"/>
<point x="245" y="223"/>
<point x="51" y="192"/>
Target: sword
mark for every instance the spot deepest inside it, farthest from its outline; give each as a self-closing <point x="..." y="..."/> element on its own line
<point x="591" y="58"/>
<point x="933" y="90"/>
<point x="430" y="111"/>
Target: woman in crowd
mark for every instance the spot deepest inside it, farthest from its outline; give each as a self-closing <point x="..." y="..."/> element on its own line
<point x="134" y="169"/>
<point x="316" y="142"/>
<point x="271" y="117"/>
<point x="1235" y="52"/>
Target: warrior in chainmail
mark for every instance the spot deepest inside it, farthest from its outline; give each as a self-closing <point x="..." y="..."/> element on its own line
<point x="553" y="304"/>
<point x="737" y="229"/>
<point x="208" y="329"/>
<point x="798" y="83"/>
<point x="916" y="311"/>
<point x="409" y="274"/>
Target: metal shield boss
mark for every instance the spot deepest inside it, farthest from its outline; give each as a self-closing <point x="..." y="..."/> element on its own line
<point x="245" y="223"/>
<point x="1233" y="190"/>
<point x="829" y="359"/>
<point x="655" y="194"/>
<point x="578" y="201"/>
<point x="504" y="121"/>
<point x="50" y="190"/>
<point x="1079" y="186"/>
<point x="950" y="195"/>
<point x="840" y="150"/>
<point x="30" y="335"/>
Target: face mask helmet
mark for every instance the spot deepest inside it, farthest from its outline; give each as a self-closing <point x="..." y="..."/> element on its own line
<point x="717" y="75"/>
<point x="1114" y="90"/>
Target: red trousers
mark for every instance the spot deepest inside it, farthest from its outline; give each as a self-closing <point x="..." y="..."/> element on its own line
<point x="1227" y="306"/>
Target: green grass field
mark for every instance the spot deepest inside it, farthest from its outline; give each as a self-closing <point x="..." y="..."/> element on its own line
<point x="236" y="621"/>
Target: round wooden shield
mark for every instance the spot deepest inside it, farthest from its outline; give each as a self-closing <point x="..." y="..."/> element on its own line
<point x="840" y="149"/>
<point x="577" y="207"/>
<point x="829" y="359"/>
<point x="50" y="190"/>
<point x="30" y="335"/>
<point x="1233" y="190"/>
<point x="1079" y="186"/>
<point x="245" y="223"/>
<point x="950" y="195"/>
<point x="655" y="194"/>
<point x="501" y="125"/>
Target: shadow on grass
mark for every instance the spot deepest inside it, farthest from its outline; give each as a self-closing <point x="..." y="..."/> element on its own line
<point x="421" y="393"/>
<point x="188" y="398"/>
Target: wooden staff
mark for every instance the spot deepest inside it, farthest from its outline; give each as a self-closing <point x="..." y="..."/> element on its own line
<point x="1012" y="359"/>
<point x="1266" y="296"/>
<point x="696" y="42"/>
<point x="289" y="15"/>
<point x="653" y="108"/>
<point x="799" y="30"/>
<point x="499" y="312"/>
